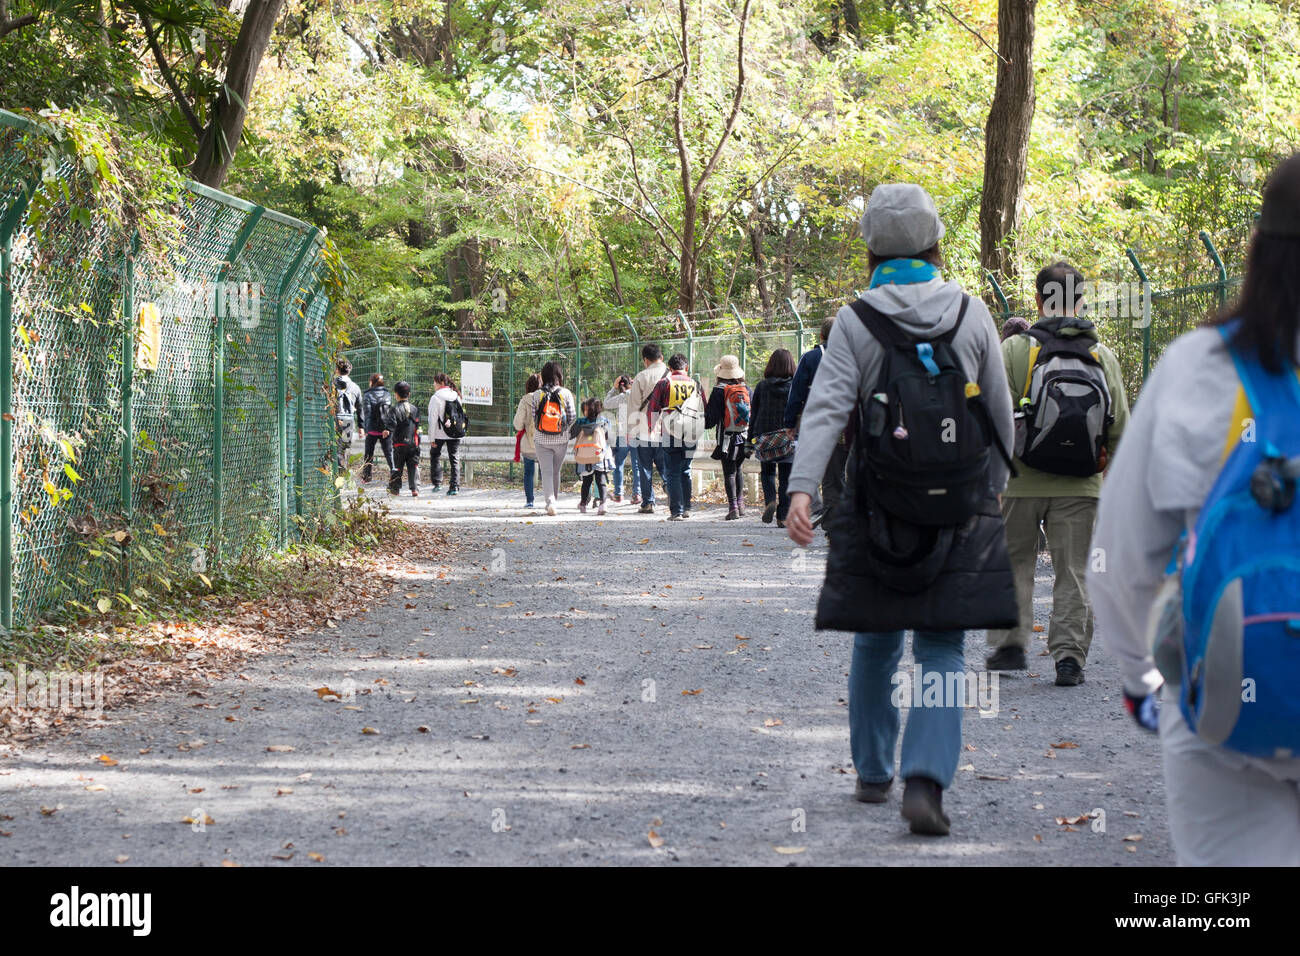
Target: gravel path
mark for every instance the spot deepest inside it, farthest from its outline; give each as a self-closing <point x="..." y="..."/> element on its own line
<point x="528" y="706"/>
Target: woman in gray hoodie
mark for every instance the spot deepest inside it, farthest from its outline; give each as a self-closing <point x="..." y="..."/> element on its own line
<point x="1225" y="808"/>
<point x="902" y="229"/>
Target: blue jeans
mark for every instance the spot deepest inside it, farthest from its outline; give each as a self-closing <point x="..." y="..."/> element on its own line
<point x="677" y="479"/>
<point x="932" y="740"/>
<point x="530" y="476"/>
<point x="623" y="451"/>
<point x="648" y="458"/>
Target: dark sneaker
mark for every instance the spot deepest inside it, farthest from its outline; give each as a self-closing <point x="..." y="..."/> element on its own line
<point x="1068" y="672"/>
<point x="732" y="515"/>
<point x="769" y="513"/>
<point x="686" y="514"/>
<point x="780" y="522"/>
<point x="646" y="510"/>
<point x="676" y="517"/>
<point x="865" y="792"/>
<point x="923" y="807"/>
<point x="453" y="491"/>
<point x="1007" y="658"/>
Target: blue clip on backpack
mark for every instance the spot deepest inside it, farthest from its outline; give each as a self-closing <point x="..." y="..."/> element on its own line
<point x="1241" y="580"/>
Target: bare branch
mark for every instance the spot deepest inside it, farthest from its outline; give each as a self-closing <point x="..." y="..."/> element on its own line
<point x="735" y="99"/>
<point x="975" y="33"/>
<point x="181" y="100"/>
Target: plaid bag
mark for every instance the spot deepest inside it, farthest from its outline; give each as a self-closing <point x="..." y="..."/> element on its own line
<point x="773" y="446"/>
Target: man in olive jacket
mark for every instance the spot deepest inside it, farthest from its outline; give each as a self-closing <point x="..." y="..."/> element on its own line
<point x="1064" y="505"/>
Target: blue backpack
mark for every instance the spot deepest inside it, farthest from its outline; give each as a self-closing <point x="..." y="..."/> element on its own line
<point x="1240" y="666"/>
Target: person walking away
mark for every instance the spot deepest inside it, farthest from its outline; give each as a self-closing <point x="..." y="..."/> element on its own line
<point x="1207" y="474"/>
<point x="448" y="424"/>
<point x="771" y="396"/>
<point x="402" y="422"/>
<point x="729" y="412"/>
<point x="645" y="434"/>
<point x="551" y="408"/>
<point x="1071" y="409"/>
<point x="524" y="430"/>
<point x="591" y="452"/>
<point x="373" y="402"/>
<point x="676" y="402"/>
<point x="832" y="485"/>
<point x="348" y="408"/>
<point x="616" y="404"/>
<point x="917" y="544"/>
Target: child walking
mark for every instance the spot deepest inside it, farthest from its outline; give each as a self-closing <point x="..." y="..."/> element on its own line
<point x="591" y="452"/>
<point x="402" y="423"/>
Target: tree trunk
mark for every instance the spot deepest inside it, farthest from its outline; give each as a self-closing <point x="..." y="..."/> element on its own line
<point x="1006" y="137"/>
<point x="230" y="106"/>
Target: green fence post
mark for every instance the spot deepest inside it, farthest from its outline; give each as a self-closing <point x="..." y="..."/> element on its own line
<point x="1146" y="312"/>
<point x="998" y="293"/>
<point x="128" y="378"/>
<point x="799" y="319"/>
<point x="219" y="379"/>
<point x="690" y="341"/>
<point x="379" y="349"/>
<point x="7" y="227"/>
<point x="510" y="389"/>
<point x="444" y="349"/>
<point x="299" y="472"/>
<point x="282" y="380"/>
<point x="636" y="343"/>
<point x="1218" y="264"/>
<point x="577" y="345"/>
<point x="744" y="337"/>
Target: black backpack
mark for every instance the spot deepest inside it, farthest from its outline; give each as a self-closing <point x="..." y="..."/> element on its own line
<point x="923" y="442"/>
<point x="1062" y="429"/>
<point x="403" y="422"/>
<point x="346" y="408"/>
<point x="454" y="420"/>
<point x="375" y="417"/>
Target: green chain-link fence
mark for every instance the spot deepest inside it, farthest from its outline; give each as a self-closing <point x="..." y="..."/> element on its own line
<point x="1134" y="316"/>
<point x="157" y="418"/>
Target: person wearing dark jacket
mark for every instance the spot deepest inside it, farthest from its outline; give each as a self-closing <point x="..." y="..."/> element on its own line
<point x="730" y="449"/>
<point x="832" y="484"/>
<point x="972" y="586"/>
<point x="768" y="415"/>
<point x="403" y="423"/>
<point x="376" y="398"/>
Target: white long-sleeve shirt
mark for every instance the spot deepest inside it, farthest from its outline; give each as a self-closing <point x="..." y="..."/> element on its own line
<point x="437" y="402"/>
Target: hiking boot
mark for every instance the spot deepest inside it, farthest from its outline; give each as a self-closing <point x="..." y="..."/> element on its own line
<point x="732" y="514"/>
<point x="601" y="510"/>
<point x="780" y="522"/>
<point x="740" y="507"/>
<point x="769" y="513"/>
<point x="1069" y="673"/>
<point x="686" y="513"/>
<point x="865" y="792"/>
<point x="1007" y="658"/>
<point x="923" y="807"/>
<point x="453" y="491"/>
<point x="646" y="510"/>
<point x="676" y="517"/>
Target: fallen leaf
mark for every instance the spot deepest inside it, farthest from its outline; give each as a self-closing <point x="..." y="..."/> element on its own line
<point x="1038" y="838"/>
<point x="556" y="700"/>
<point x="230" y="863"/>
<point x="283" y="791"/>
<point x="655" y="839"/>
<point x="989" y="776"/>
<point x="96" y="787"/>
<point x="1038" y="628"/>
<point x="772" y="723"/>
<point x="422" y="729"/>
<point x="206" y="819"/>
<point x="122" y="859"/>
<point x="1133" y="838"/>
<point x="50" y="811"/>
<point x="580" y="681"/>
<point x="318" y="857"/>
<point x="1081" y="818"/>
<point x="789" y="850"/>
<point x="107" y="761"/>
<point x="693" y="693"/>
<point x="279" y="749"/>
<point x="1065" y="745"/>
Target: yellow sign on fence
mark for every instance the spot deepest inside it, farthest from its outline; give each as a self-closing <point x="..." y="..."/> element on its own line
<point x="148" y="337"/>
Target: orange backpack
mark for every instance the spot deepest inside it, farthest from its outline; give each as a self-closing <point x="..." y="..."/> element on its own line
<point x="550" y="412"/>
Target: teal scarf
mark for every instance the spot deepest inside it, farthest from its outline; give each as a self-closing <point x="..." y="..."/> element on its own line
<point x="902" y="272"/>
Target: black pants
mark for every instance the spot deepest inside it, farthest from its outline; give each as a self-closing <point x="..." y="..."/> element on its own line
<point x="734" y="483"/>
<point x="453" y="459"/>
<point x="776" y="485"/>
<point x="405" y="458"/>
<point x="386" y="444"/>
<point x="599" y="477"/>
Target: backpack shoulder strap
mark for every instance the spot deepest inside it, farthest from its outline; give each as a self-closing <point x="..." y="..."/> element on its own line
<point x="1272" y="398"/>
<point x="881" y="327"/>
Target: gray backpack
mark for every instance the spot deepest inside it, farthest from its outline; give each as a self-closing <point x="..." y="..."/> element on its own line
<point x="1065" y="411"/>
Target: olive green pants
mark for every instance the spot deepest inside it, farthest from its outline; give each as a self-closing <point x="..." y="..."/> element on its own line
<point x="1068" y="523"/>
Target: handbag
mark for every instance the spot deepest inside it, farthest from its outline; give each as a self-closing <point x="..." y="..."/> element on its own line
<point x="775" y="445"/>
